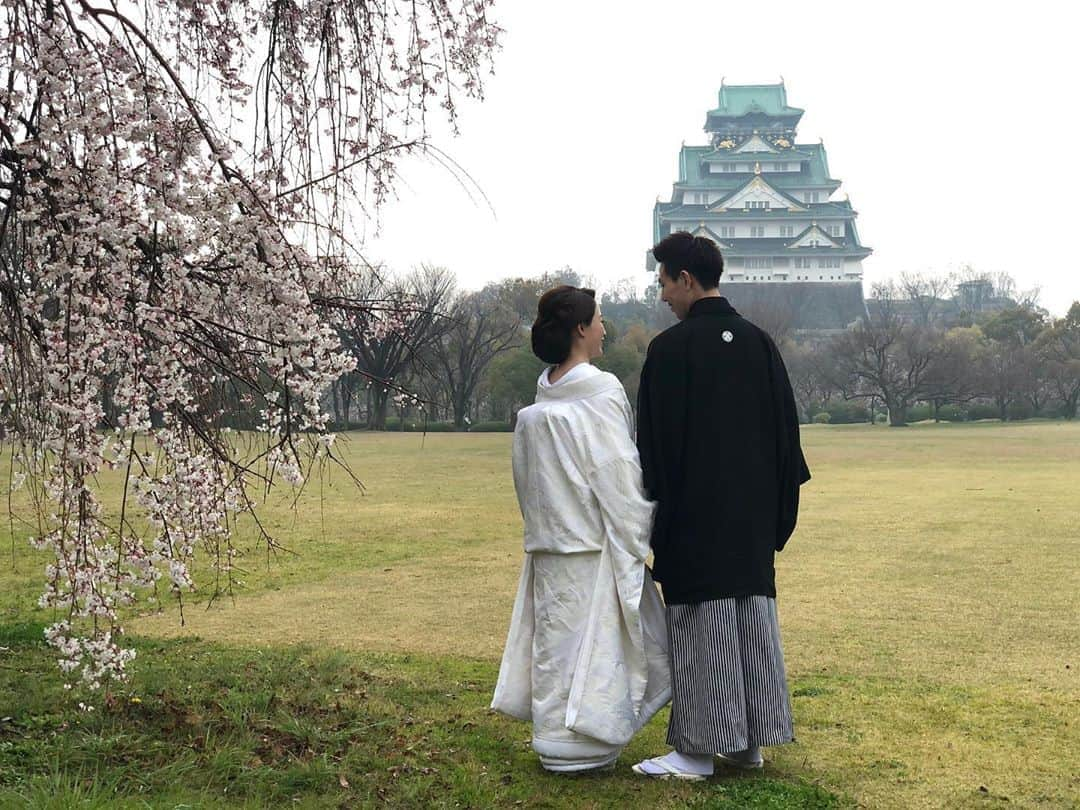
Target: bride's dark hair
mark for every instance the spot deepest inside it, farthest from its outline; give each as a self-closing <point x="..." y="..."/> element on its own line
<point x="559" y="312"/>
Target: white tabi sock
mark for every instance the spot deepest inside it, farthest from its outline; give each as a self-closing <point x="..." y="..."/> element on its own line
<point x="691" y="763"/>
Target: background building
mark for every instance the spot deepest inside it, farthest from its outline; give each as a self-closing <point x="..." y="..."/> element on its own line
<point x="767" y="200"/>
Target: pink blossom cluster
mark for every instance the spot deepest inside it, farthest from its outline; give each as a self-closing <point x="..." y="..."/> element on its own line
<point x="151" y="271"/>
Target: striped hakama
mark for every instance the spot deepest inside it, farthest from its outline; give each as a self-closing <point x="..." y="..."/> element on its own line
<point x="729" y="688"/>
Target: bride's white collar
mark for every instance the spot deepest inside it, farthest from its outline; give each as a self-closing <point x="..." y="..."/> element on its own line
<point x="582" y="380"/>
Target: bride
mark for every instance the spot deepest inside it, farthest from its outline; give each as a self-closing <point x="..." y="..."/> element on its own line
<point x="586" y="656"/>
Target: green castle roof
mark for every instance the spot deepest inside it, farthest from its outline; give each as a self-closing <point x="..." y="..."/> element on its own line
<point x="815" y="172"/>
<point x="730" y="155"/>
<point x="779" y="247"/>
<point x="840" y="209"/>
<point x="740" y="100"/>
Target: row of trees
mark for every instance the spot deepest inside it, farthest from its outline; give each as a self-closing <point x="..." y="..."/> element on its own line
<point x="1015" y="355"/>
<point x="439" y="354"/>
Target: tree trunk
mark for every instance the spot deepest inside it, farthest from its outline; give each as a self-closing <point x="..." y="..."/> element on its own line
<point x="461" y="410"/>
<point x="897" y="414"/>
<point x="1003" y="409"/>
<point x="1069" y="405"/>
<point x="380" y="399"/>
<point x="346" y="402"/>
<point x="335" y="400"/>
<point x="936" y="405"/>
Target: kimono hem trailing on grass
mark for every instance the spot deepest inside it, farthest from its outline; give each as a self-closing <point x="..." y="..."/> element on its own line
<point x="586" y="658"/>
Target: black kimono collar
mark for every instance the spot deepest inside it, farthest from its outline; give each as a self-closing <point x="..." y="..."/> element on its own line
<point x="711" y="306"/>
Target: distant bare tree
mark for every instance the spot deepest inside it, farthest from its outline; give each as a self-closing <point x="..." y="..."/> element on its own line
<point x="481" y="328"/>
<point x="1010" y="366"/>
<point x="1059" y="348"/>
<point x="808" y="368"/>
<point x="776" y="313"/>
<point x="888" y="357"/>
<point x="928" y="294"/>
<point x="1003" y="374"/>
<point x="954" y="378"/>
<point x="388" y="340"/>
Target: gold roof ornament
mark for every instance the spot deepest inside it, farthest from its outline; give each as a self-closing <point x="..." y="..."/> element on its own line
<point x="757" y="168"/>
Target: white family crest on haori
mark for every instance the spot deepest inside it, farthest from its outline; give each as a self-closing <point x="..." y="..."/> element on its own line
<point x="586" y="657"/>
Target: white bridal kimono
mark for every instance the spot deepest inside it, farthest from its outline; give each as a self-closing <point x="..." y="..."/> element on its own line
<point x="586" y="658"/>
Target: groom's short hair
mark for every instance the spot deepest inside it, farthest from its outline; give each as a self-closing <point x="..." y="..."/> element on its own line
<point x="697" y="255"/>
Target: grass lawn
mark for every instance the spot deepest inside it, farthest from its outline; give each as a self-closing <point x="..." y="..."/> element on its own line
<point x="929" y="604"/>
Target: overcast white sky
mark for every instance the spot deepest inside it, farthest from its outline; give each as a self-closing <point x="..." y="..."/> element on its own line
<point x="951" y="124"/>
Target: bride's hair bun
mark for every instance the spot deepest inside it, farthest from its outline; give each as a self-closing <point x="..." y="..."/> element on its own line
<point x="560" y="311"/>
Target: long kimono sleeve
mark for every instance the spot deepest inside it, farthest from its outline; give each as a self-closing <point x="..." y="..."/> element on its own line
<point x="662" y="403"/>
<point x="791" y="464"/>
<point x="645" y="433"/>
<point x="617" y="483"/>
<point x="513" y="689"/>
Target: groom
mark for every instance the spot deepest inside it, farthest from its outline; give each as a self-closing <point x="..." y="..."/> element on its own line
<point x="718" y="434"/>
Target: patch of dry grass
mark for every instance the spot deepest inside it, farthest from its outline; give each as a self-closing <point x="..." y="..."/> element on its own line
<point x="930" y="600"/>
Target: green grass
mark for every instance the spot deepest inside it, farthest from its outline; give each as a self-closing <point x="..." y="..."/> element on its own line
<point x="205" y="725"/>
<point x="929" y="604"/>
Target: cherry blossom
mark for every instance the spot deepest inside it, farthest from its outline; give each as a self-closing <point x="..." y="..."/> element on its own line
<point x="177" y="182"/>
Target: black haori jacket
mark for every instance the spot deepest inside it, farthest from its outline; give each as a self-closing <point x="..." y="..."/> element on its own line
<point x="718" y="434"/>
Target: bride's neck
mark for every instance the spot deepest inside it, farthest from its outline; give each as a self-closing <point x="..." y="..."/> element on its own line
<point x="576" y="358"/>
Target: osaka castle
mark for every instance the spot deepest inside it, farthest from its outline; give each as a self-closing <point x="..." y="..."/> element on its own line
<point x="770" y="203"/>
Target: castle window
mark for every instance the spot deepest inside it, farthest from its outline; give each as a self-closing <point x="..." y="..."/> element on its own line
<point x="727" y="231"/>
<point x="812" y="196"/>
<point x="759" y="262"/>
<point x="802" y="262"/>
<point x="787" y="230"/>
<point x="780" y="167"/>
<point x="757" y="230"/>
<point x="729" y="167"/>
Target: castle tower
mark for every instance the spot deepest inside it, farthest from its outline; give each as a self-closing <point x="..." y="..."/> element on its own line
<point x="768" y="202"/>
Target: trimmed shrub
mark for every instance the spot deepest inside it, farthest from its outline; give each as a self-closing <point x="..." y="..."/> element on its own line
<point x="491" y="427"/>
<point x="952" y="413"/>
<point x="982" y="411"/>
<point x="414" y="425"/>
<point x="846" y="413"/>
<point x="822" y="418"/>
<point x="1021" y="410"/>
<point x="919" y="413"/>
